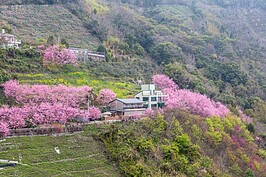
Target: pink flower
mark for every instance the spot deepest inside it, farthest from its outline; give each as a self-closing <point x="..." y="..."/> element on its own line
<point x="36" y="94"/>
<point x="185" y="99"/>
<point x="4" y="131"/>
<point x="163" y="81"/>
<point x="94" y="112"/>
<point x="149" y="112"/>
<point x="41" y="47"/>
<point x="54" y="55"/>
<point x="105" y="96"/>
<point x="136" y="115"/>
<point x="43" y="104"/>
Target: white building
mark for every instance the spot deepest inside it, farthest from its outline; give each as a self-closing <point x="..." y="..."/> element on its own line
<point x="151" y="97"/>
<point x="9" y="40"/>
<point x="86" y="55"/>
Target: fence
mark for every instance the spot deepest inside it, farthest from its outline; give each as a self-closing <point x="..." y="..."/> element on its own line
<point x="45" y="131"/>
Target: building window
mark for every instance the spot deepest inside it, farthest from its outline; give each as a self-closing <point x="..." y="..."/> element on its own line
<point x="137" y="98"/>
<point x="145" y="106"/>
<point x="145" y="98"/>
<point x="153" y="99"/>
<point x="153" y="105"/>
<point x="161" y="105"/>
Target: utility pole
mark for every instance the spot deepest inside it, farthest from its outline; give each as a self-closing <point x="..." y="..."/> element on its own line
<point x="14" y="36"/>
<point x="88" y="101"/>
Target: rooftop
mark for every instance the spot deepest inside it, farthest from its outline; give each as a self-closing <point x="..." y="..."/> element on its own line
<point x="79" y="49"/>
<point x="91" y="53"/>
<point x="7" y="35"/>
<point x="129" y="100"/>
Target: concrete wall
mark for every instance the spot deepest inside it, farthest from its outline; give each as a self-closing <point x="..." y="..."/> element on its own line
<point x="132" y="111"/>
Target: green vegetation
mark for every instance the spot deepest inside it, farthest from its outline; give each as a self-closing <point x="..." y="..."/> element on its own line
<point x="97" y="8"/>
<point x="176" y="144"/>
<point x="214" y="47"/>
<point x="202" y="50"/>
<point x="35" y="21"/>
<point x="80" y="155"/>
<point x="123" y="89"/>
<point x="214" y="53"/>
<point x="25" y="65"/>
<point x="181" y="144"/>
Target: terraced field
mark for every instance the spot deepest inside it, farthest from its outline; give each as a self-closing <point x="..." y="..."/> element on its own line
<point x="80" y="155"/>
<point x="41" y="21"/>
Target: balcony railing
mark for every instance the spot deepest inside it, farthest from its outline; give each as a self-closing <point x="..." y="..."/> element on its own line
<point x="132" y="107"/>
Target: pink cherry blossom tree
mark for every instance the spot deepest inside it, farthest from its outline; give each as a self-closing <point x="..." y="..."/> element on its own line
<point x="185" y="99"/>
<point x="4" y="131"/>
<point x="37" y="94"/>
<point x="41" y="47"/>
<point x="149" y="112"/>
<point x="94" y="112"/>
<point x="136" y="115"/>
<point x="14" y="117"/>
<point x="105" y="96"/>
<point x="47" y="113"/>
<point x="55" y="55"/>
<point x="43" y="104"/>
<point x="163" y="82"/>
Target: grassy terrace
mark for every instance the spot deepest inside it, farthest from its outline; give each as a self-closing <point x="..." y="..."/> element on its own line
<point x="116" y="76"/>
<point x="121" y="88"/>
<point x="81" y="155"/>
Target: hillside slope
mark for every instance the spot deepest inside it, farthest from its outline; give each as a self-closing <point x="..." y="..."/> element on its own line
<point x="80" y="155"/>
<point x="41" y="21"/>
<point x="181" y="144"/>
<point x="26" y="66"/>
<point x="227" y="32"/>
<point x="214" y="47"/>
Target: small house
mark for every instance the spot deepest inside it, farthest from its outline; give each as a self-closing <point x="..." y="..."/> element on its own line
<point x="9" y="40"/>
<point x="127" y="107"/>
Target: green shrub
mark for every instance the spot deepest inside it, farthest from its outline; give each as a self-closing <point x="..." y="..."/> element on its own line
<point x="249" y="173"/>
